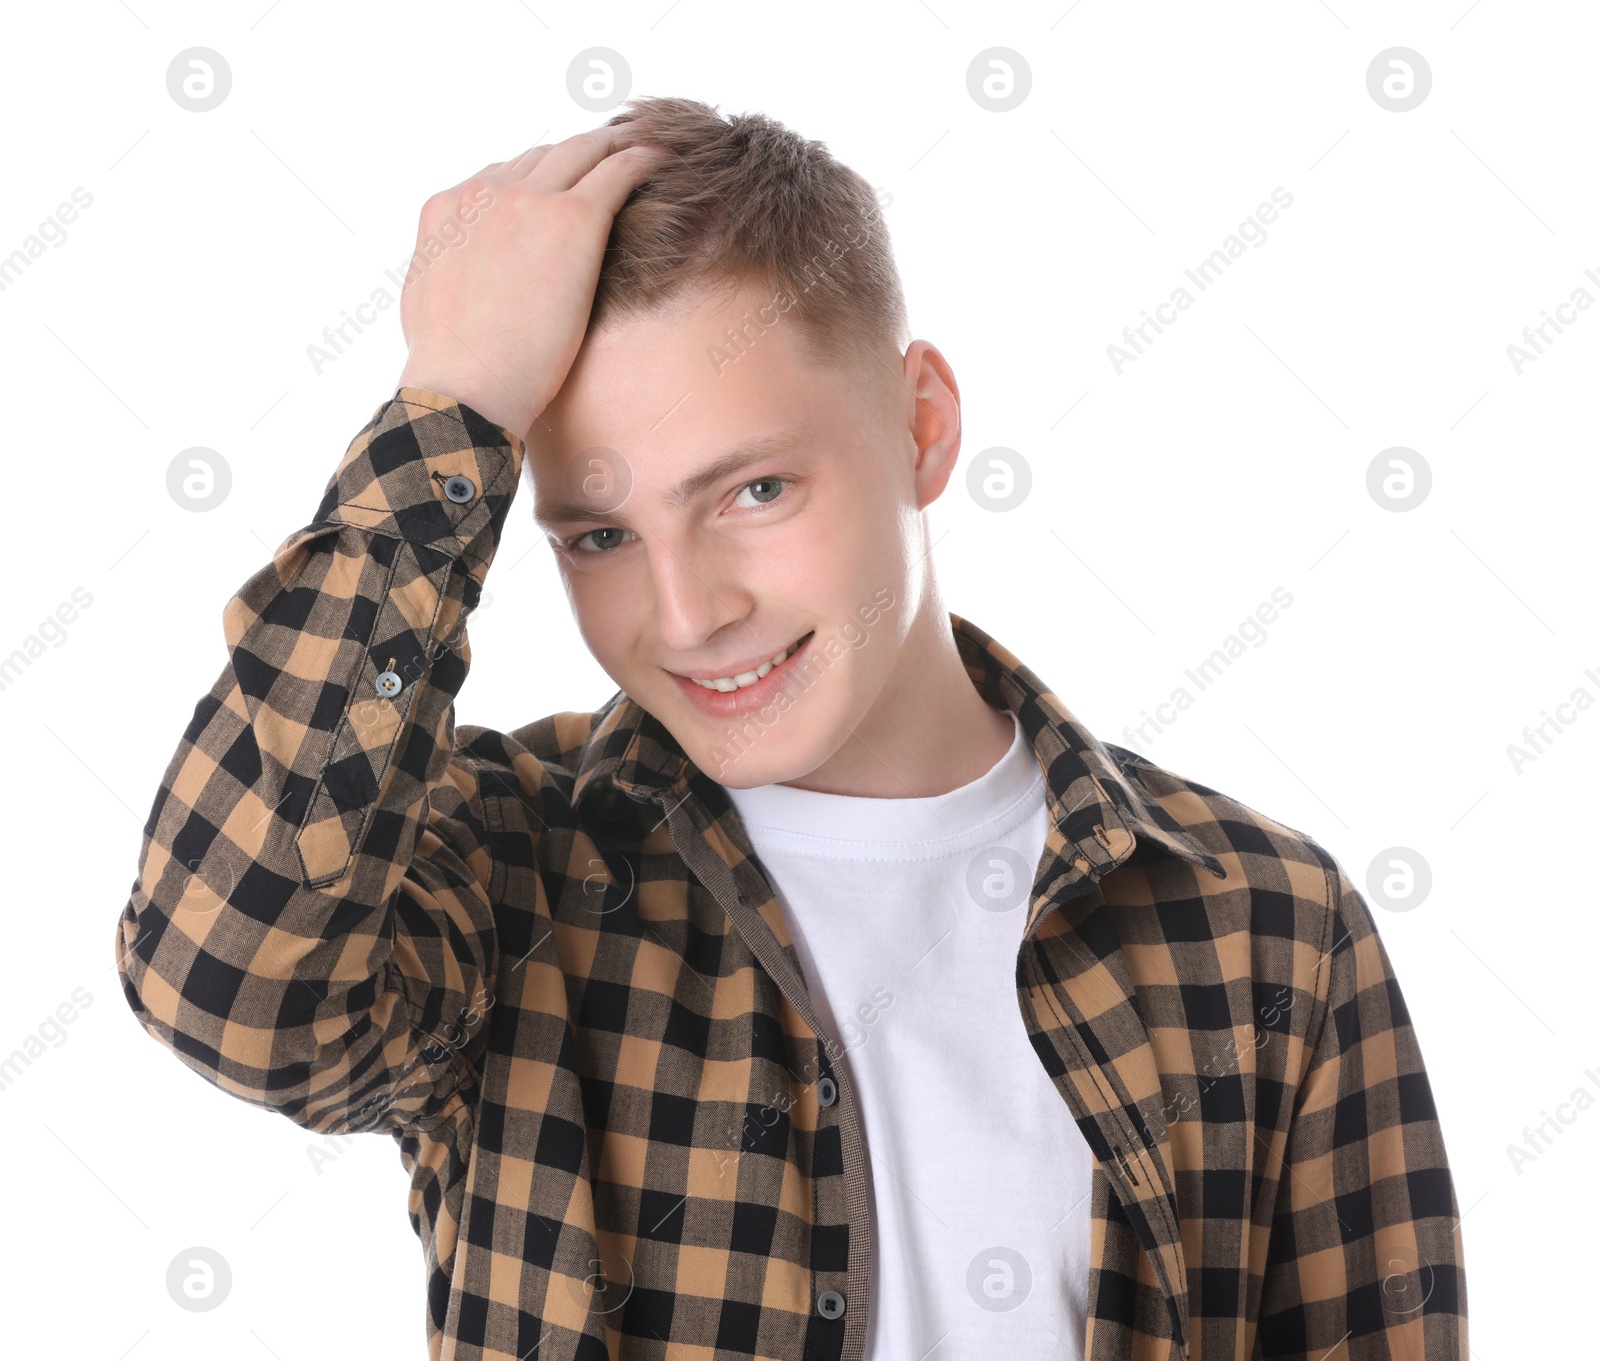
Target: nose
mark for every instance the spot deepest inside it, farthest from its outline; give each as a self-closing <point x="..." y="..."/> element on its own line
<point x="694" y="599"/>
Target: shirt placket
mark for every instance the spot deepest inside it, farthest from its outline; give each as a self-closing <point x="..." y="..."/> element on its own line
<point x="832" y="1202"/>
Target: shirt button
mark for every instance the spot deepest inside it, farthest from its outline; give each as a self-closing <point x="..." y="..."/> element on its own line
<point x="830" y="1304"/>
<point x="827" y="1091"/>
<point x="460" y="489"/>
<point x="389" y="684"/>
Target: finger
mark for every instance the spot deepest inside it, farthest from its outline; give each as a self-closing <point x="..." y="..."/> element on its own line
<point x="613" y="179"/>
<point x="515" y="170"/>
<point x="567" y="163"/>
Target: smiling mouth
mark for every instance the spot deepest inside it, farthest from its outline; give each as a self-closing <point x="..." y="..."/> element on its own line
<point x="744" y="679"/>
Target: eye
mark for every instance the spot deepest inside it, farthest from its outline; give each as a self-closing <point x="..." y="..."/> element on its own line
<point x="772" y="489"/>
<point x="576" y="543"/>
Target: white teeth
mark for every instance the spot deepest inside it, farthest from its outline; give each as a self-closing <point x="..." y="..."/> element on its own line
<point x="744" y="678"/>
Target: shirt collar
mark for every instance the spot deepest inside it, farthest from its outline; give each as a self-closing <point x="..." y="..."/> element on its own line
<point x="1098" y="812"/>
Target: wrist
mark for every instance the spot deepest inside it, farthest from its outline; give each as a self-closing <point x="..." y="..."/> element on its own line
<point x="490" y="400"/>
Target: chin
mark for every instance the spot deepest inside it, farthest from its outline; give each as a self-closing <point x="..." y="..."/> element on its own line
<point x="762" y="760"/>
<point x="743" y="753"/>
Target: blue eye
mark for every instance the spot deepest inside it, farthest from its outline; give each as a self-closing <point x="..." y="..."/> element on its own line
<point x="574" y="543"/>
<point x="593" y="543"/>
<point x="776" y="484"/>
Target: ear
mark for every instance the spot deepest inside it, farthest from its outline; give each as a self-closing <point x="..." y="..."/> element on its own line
<point x="933" y="418"/>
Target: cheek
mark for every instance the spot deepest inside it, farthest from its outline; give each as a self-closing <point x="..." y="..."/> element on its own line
<point x="604" y="615"/>
<point x="864" y="564"/>
<point x="843" y="549"/>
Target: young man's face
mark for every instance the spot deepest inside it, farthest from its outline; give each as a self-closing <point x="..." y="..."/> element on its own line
<point x="710" y="512"/>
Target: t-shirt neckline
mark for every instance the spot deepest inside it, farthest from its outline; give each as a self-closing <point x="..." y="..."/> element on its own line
<point x="970" y="815"/>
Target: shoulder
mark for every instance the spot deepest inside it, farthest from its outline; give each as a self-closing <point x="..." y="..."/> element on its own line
<point x="1258" y="852"/>
<point x="1286" y="912"/>
<point x="556" y="739"/>
<point x="532" y="761"/>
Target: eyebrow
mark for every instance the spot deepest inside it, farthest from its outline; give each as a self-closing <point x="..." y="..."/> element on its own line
<point x="562" y="512"/>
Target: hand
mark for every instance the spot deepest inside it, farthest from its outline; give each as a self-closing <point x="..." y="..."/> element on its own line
<point x="495" y="318"/>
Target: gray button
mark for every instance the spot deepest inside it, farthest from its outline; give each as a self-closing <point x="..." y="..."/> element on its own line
<point x="390" y="684"/>
<point x="460" y="489"/>
<point x="830" y="1304"/>
<point x="827" y="1091"/>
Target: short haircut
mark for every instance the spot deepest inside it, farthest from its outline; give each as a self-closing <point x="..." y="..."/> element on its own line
<point x="742" y="200"/>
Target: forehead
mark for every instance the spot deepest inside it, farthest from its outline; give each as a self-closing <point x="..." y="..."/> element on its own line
<point x="673" y="389"/>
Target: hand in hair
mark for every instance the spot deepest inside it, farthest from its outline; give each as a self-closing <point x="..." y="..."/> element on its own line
<point x="500" y="289"/>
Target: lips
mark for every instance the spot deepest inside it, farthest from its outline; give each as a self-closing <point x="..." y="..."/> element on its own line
<point x="727" y="703"/>
<point x="740" y="676"/>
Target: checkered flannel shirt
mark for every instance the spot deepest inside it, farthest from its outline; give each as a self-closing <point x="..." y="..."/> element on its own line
<point x="548" y="963"/>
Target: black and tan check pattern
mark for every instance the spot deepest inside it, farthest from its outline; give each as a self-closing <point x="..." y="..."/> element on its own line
<point x="549" y="965"/>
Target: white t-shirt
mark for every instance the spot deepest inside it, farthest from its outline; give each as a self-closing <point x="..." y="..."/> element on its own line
<point x="907" y="917"/>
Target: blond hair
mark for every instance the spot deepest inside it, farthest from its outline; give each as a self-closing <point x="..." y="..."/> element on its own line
<point x="742" y="200"/>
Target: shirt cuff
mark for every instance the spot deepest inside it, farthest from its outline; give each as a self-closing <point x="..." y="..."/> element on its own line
<point x="428" y="469"/>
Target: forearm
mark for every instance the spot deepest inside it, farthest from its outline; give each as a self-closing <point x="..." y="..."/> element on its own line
<point x="284" y="935"/>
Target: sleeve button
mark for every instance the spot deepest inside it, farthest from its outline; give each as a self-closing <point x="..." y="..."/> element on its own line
<point x="390" y="684"/>
<point x="460" y="489"/>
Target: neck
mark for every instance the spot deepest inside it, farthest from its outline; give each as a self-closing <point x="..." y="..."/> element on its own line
<point x="927" y="732"/>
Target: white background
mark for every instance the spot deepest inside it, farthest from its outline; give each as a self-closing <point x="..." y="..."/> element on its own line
<point x="1229" y="459"/>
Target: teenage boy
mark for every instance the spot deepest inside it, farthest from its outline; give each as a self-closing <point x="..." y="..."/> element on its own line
<point x="829" y="992"/>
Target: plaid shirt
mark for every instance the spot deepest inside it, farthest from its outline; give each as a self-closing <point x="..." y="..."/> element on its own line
<point x="549" y="965"/>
